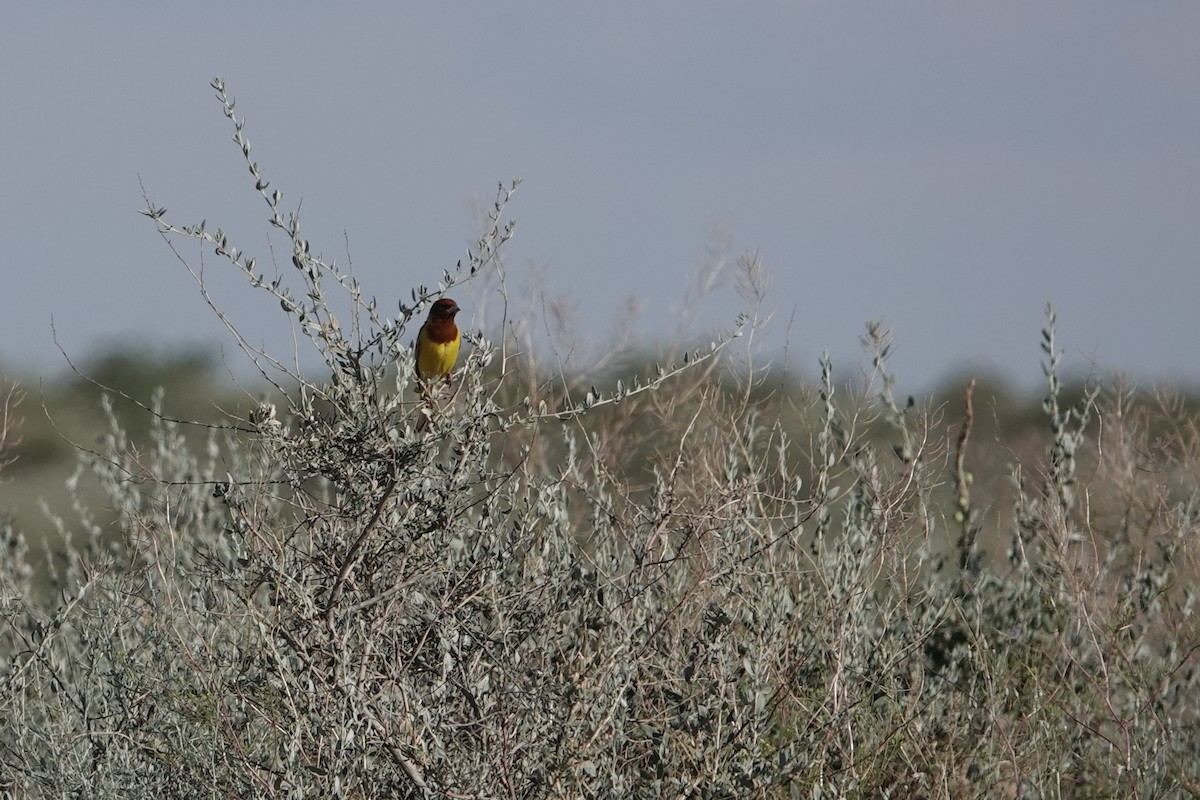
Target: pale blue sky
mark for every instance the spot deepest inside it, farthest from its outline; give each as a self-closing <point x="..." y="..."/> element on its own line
<point x="948" y="167"/>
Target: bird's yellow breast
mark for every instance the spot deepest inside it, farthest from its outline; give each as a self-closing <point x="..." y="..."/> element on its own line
<point x="435" y="359"/>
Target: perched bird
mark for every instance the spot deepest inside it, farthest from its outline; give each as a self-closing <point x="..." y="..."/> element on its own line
<point x="438" y="341"/>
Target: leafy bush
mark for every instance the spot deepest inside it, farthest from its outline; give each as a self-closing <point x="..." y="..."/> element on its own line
<point x="685" y="587"/>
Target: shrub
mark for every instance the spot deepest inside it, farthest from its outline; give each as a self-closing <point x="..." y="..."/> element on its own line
<point x="684" y="587"/>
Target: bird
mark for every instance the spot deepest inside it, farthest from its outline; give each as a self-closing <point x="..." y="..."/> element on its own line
<point x="436" y="347"/>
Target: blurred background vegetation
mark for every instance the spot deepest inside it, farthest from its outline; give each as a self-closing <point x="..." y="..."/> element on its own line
<point x="60" y="417"/>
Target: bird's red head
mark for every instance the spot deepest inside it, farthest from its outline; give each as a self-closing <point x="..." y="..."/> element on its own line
<point x="443" y="309"/>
